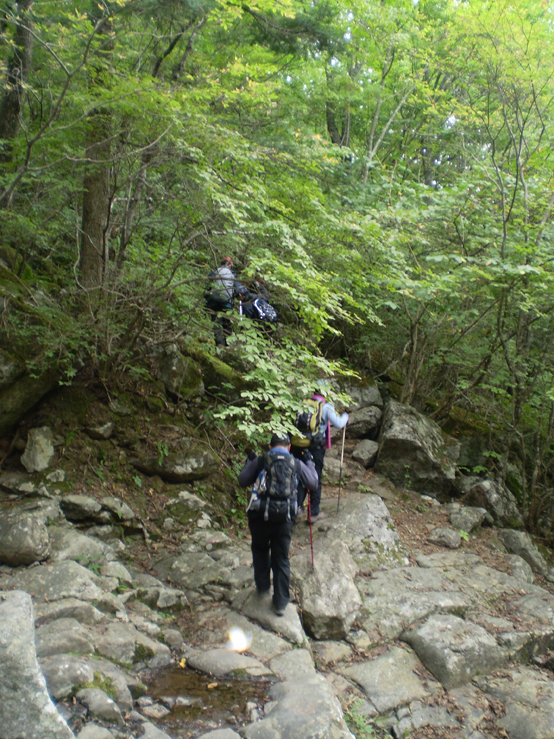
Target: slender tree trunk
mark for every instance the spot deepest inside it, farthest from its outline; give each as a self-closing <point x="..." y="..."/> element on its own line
<point x="16" y="75"/>
<point x="94" y="255"/>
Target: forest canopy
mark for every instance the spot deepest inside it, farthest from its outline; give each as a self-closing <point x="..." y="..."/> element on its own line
<point x="386" y="166"/>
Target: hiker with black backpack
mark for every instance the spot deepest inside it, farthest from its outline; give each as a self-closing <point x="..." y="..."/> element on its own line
<point x="314" y="423"/>
<point x="271" y="512"/>
<point x="218" y="298"/>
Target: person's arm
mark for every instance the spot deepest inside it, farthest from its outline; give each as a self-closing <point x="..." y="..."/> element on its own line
<point x="328" y="415"/>
<point x="251" y="470"/>
<point x="308" y="473"/>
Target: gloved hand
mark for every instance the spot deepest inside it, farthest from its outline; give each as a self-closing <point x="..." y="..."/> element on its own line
<point x="251" y="454"/>
<point x="307" y="456"/>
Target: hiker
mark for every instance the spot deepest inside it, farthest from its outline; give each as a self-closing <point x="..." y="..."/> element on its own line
<point x="317" y="442"/>
<point x="271" y="512"/>
<point x="218" y="298"/>
<point x="255" y="306"/>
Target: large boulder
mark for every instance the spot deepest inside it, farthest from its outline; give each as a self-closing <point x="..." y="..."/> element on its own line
<point x="363" y="392"/>
<point x="189" y="461"/>
<point x="27" y="709"/>
<point x="364" y="422"/>
<point x="181" y="375"/>
<point x="330" y="600"/>
<point x="520" y="543"/>
<point x="23" y="539"/>
<point x="415" y="452"/>
<point x="497" y="500"/>
<point x="39" y="450"/>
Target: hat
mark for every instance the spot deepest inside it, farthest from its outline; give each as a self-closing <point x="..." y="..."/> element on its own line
<point x="280" y="439"/>
<point x="226" y="260"/>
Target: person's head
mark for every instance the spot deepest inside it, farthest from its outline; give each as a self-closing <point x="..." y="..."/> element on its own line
<point x="226" y="262"/>
<point x="280" y="439"/>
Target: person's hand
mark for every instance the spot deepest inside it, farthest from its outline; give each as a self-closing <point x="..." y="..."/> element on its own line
<point x="307" y="456"/>
<point x="251" y="454"/>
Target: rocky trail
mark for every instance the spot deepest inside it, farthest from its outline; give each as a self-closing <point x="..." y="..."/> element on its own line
<point x="402" y="632"/>
<point x="119" y="592"/>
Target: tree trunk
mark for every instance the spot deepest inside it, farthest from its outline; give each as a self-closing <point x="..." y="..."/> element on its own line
<point x="16" y="75"/>
<point x="94" y="256"/>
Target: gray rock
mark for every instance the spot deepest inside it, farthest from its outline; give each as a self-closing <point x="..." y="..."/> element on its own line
<point x="64" y="673"/>
<point x="363" y="392"/>
<point x="39" y="450"/>
<point x="293" y="664"/>
<point x="468" y="518"/>
<point x="80" y="507"/>
<point x="521" y="569"/>
<point x="187" y="462"/>
<point x="68" y="543"/>
<point x="225" y="662"/>
<point x="365" y="452"/>
<point x="445" y="537"/>
<point x="497" y="500"/>
<point x="261" y="610"/>
<point x="102" y="432"/>
<point x="93" y="731"/>
<point x="413" y="449"/>
<point x="125" y="644"/>
<point x="27" y="710"/>
<point x="120" y="510"/>
<point x="23" y="539"/>
<point x="520" y="543"/>
<point x="330" y="599"/>
<point x="528" y="695"/>
<point x="101" y="705"/>
<point x="389" y="680"/>
<point x="331" y="651"/>
<point x="304" y="709"/>
<point x="333" y="471"/>
<point x="84" y="612"/>
<point x="364" y="421"/>
<point x="181" y="375"/>
<point x="454" y="650"/>
<point x="220" y="734"/>
<point x="61" y="636"/>
<point x="58" y="581"/>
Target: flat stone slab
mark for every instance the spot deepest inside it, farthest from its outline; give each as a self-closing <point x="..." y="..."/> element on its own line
<point x="528" y="695"/>
<point x="293" y="664"/>
<point x="264" y="645"/>
<point x="389" y="680"/>
<point x="261" y="610"/>
<point x="222" y="662"/>
<point x="57" y="581"/>
<point x="454" y="650"/>
<point x="394" y="599"/>
<point x="301" y="709"/>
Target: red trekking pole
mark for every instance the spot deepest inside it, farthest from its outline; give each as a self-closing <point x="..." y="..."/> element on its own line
<point x="310" y="524"/>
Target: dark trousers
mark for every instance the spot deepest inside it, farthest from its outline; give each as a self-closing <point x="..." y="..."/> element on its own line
<point x="318" y="454"/>
<point x="222" y="327"/>
<point x="270" y="553"/>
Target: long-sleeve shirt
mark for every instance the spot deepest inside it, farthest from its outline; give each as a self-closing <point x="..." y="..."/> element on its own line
<point x="252" y="468"/>
<point x="224" y="279"/>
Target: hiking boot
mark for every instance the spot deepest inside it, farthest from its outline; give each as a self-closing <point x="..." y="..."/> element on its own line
<point x="319" y="517"/>
<point x="280" y="611"/>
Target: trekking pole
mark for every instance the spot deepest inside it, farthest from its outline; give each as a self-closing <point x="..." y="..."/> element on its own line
<point x="310" y="523"/>
<point x="340" y="470"/>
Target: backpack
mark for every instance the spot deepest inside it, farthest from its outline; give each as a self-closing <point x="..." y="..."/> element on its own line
<point x="274" y="494"/>
<point x="263" y="311"/>
<point x="216" y="298"/>
<point x="308" y="422"/>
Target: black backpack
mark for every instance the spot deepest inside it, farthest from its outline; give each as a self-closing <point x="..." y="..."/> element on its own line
<point x="274" y="494"/>
<point x="263" y="311"/>
<point x="216" y="298"/>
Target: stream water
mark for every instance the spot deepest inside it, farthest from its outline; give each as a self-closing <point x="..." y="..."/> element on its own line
<point x="200" y="703"/>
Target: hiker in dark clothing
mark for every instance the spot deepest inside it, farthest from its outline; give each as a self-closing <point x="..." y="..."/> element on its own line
<point x="271" y="513"/>
<point x="218" y="297"/>
<point x="318" y="446"/>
